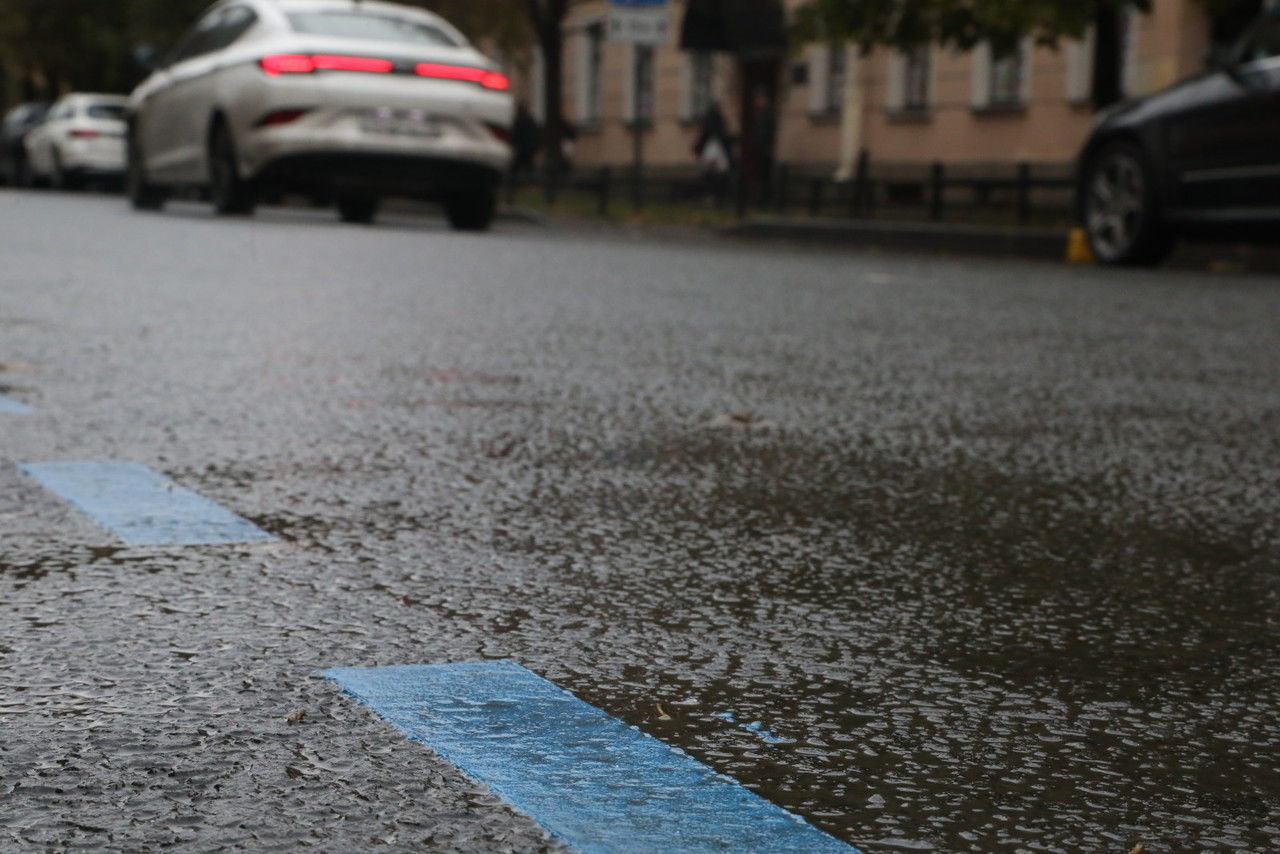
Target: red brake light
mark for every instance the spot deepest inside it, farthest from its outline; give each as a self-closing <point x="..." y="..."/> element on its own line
<point x="487" y="79"/>
<point x="84" y="133"/>
<point x="353" y="63"/>
<point x="296" y="63"/>
<point x="287" y="63"/>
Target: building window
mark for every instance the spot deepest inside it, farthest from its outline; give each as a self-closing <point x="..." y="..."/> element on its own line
<point x="591" y="79"/>
<point x="828" y="69"/>
<point x="700" y="84"/>
<point x="917" y="68"/>
<point x="641" y="91"/>
<point x="1008" y="78"/>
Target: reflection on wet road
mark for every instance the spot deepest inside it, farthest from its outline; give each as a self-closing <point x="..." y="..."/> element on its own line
<point x="939" y="556"/>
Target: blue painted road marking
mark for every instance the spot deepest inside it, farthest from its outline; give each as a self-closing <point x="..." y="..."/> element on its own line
<point x="596" y="783"/>
<point x="9" y="406"/>
<point x="143" y="507"/>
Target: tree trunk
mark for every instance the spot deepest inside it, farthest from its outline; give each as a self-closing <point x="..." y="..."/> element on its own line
<point x="553" y="97"/>
<point x="1108" y="57"/>
<point x="547" y="17"/>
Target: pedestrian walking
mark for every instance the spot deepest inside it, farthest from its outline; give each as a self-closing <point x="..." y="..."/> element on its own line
<point x="526" y="140"/>
<point x="712" y="151"/>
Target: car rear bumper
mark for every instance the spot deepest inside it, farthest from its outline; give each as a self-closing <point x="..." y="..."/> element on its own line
<point x="105" y="157"/>
<point x="408" y="176"/>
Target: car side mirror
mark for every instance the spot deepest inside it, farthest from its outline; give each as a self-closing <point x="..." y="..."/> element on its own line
<point x="147" y="56"/>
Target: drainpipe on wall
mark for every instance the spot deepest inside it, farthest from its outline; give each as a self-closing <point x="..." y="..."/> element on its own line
<point x="852" y="121"/>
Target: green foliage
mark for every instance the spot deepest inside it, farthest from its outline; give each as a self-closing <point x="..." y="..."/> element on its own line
<point x="958" y="23"/>
<point x="47" y="46"/>
<point x="502" y="25"/>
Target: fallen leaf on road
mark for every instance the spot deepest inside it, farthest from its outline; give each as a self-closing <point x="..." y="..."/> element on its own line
<point x="297" y="717"/>
<point x="741" y="421"/>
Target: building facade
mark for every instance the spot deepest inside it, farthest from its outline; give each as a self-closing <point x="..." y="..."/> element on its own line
<point x="931" y="104"/>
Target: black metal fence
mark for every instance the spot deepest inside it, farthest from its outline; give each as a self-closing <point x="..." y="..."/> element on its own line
<point x="1022" y="192"/>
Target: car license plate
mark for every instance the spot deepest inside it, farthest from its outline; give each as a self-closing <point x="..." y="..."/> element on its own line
<point x="401" y="124"/>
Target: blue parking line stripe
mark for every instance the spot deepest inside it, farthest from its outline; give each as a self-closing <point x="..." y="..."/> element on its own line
<point x="142" y="506"/>
<point x="588" y="778"/>
<point x="9" y="406"/>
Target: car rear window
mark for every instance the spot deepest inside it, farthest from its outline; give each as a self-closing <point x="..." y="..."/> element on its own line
<point x="106" y="111"/>
<point x="366" y="25"/>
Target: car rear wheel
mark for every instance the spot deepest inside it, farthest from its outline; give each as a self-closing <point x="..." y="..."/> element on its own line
<point x="59" y="177"/>
<point x="143" y="195"/>
<point x="358" y="210"/>
<point x="21" y="171"/>
<point x="1120" y="211"/>
<point x="231" y="194"/>
<point x="474" y="211"/>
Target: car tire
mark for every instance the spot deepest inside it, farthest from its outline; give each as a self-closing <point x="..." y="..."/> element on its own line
<point x="231" y="194"/>
<point x="1120" y="209"/>
<point x="358" y="210"/>
<point x="473" y="211"/>
<point x="143" y="195"/>
<point x="23" y="176"/>
<point x="59" y="177"/>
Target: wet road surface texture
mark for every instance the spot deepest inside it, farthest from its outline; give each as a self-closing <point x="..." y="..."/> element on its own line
<point x="938" y="555"/>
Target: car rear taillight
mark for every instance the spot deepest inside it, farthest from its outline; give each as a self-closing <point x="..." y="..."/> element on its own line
<point x="296" y="63"/>
<point x="353" y="63"/>
<point x="83" y="133"/>
<point x="281" y="117"/>
<point x="287" y="63"/>
<point x="487" y="79"/>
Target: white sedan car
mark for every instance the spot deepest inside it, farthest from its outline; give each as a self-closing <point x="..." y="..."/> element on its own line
<point x="350" y="100"/>
<point x="82" y="137"/>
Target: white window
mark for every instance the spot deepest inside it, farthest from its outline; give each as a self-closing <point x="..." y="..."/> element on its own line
<point x="1008" y="73"/>
<point x="590" y="81"/>
<point x="1001" y="81"/>
<point x="1079" y="54"/>
<point x="919" y="76"/>
<point x="699" y="89"/>
<point x="828" y="71"/>
<point x="911" y="80"/>
<point x="640" y="85"/>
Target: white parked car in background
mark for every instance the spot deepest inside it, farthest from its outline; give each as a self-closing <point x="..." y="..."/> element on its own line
<point x="82" y="137"/>
<point x="354" y="100"/>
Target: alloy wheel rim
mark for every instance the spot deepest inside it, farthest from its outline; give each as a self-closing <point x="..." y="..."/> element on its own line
<point x="1116" y="206"/>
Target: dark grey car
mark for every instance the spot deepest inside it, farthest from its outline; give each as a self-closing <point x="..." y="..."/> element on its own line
<point x="1200" y="158"/>
<point x="15" y="126"/>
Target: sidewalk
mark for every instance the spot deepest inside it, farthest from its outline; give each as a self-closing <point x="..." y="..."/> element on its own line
<point x="1004" y="241"/>
<point x="1028" y="242"/>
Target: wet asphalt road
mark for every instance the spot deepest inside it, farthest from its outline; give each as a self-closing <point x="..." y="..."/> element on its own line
<point x="993" y="548"/>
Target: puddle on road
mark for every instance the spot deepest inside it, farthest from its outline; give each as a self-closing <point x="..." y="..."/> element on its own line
<point x="953" y="660"/>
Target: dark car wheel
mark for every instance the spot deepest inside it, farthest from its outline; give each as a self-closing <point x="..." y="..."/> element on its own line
<point x="359" y="210"/>
<point x="231" y="194"/>
<point x="473" y="211"/>
<point x="59" y="177"/>
<point x="23" y="176"/>
<point x="1120" y="211"/>
<point x="143" y="195"/>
